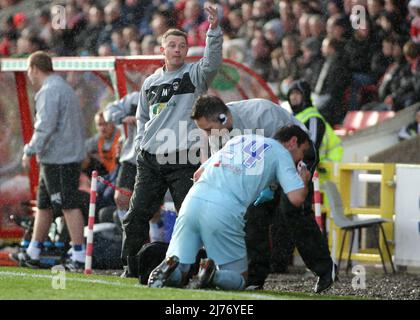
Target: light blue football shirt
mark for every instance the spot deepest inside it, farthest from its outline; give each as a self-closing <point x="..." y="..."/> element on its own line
<point x="247" y="164"/>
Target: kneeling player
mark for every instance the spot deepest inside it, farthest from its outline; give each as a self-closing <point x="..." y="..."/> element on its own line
<point x="212" y="213"/>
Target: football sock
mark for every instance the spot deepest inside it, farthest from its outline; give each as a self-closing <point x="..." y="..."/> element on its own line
<point x="34" y="250"/>
<point x="228" y="280"/>
<point x="156" y="231"/>
<point x="79" y="253"/>
<point x="121" y="213"/>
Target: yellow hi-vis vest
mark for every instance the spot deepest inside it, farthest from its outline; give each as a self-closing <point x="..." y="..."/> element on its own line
<point x="331" y="148"/>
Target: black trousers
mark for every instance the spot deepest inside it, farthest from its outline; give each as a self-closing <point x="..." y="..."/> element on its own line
<point x="152" y="181"/>
<point x="287" y="226"/>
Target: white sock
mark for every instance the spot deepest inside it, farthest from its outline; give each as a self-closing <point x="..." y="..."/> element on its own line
<point x="121" y="213"/>
<point x="33" y="250"/>
<point x="79" y="256"/>
<point x="156" y="233"/>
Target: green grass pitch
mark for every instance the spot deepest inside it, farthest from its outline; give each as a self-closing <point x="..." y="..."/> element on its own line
<point x="22" y="283"/>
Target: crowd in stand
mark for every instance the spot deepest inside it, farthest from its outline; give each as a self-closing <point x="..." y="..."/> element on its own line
<point x="352" y="58"/>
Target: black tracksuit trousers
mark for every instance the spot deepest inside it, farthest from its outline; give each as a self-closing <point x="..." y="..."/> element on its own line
<point x="152" y="182"/>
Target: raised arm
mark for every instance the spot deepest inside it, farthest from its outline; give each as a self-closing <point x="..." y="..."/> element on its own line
<point x="205" y="70"/>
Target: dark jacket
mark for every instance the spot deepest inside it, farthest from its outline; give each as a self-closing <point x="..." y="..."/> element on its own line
<point x="336" y="81"/>
<point x="359" y="54"/>
<point x="405" y="87"/>
<point x="379" y="65"/>
<point x="311" y="70"/>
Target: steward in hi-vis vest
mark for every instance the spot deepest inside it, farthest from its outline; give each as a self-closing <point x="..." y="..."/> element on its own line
<point x="322" y="134"/>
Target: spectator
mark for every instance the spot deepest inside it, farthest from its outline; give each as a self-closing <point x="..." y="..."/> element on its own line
<point x="8" y="28"/>
<point x="7" y="3"/>
<point x="193" y="15"/>
<point x="134" y="47"/>
<point x="311" y="61"/>
<point x="359" y="51"/>
<point x="375" y="8"/>
<point x="134" y="11"/>
<point x="395" y="9"/>
<point x="332" y="82"/>
<point x="113" y="21"/>
<point x="117" y="43"/>
<point x="304" y="27"/>
<point x="406" y="86"/>
<point x="20" y="21"/>
<point x="383" y="59"/>
<point x="411" y="130"/>
<point x="8" y="37"/>
<point x="149" y="45"/>
<point x="386" y="26"/>
<point x="338" y="27"/>
<point x="88" y="38"/>
<point x="58" y="143"/>
<point x="392" y="72"/>
<point x="246" y="10"/>
<point x="273" y="31"/>
<point x="289" y="70"/>
<point x="102" y="148"/>
<point x="105" y="50"/>
<point x="415" y="23"/>
<point x="335" y="7"/>
<point x="161" y="22"/>
<point x="286" y="11"/>
<point x="44" y="25"/>
<point x="130" y="33"/>
<point x="317" y="28"/>
<point x="299" y="8"/>
<point x="235" y="22"/>
<point x="260" y="56"/>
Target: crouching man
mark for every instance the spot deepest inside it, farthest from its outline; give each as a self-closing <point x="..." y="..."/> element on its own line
<point x="212" y="214"/>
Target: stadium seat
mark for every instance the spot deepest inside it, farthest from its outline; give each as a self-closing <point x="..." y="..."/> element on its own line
<point x="347" y="224"/>
<point x="356" y="120"/>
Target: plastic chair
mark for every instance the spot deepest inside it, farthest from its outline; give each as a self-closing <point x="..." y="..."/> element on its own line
<point x="347" y="224"/>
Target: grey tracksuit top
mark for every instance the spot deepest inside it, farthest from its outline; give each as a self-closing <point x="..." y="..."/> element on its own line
<point x="59" y="130"/>
<point x="166" y="98"/>
<point x="250" y="116"/>
<point x="115" y="112"/>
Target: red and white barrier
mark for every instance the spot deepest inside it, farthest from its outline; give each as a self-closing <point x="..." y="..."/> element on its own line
<point x="91" y="222"/>
<point x="317" y="200"/>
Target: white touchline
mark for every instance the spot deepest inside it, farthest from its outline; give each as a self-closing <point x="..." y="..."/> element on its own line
<point x="45" y="276"/>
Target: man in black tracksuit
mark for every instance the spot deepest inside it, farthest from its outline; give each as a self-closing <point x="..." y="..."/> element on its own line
<point x="166" y="158"/>
<point x="282" y="240"/>
<point x="289" y="227"/>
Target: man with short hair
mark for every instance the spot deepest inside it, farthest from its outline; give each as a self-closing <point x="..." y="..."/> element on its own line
<point x="264" y="117"/>
<point x="58" y="143"/>
<point x="166" y="157"/>
<point x="213" y="211"/>
<point x="102" y="148"/>
<point x="122" y="112"/>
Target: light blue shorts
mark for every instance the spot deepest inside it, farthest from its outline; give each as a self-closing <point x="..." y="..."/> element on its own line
<point x="203" y="223"/>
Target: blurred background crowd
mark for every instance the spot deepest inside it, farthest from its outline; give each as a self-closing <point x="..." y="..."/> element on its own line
<point x="355" y="54"/>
